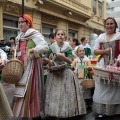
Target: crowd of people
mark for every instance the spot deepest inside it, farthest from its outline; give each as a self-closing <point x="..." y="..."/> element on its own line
<point x="50" y="86"/>
<point x="7" y="46"/>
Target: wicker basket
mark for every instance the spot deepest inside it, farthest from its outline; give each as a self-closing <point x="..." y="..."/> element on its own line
<point x="87" y="83"/>
<point x="57" y="65"/>
<point x="107" y="75"/>
<point x="57" y="68"/>
<point x="13" y="71"/>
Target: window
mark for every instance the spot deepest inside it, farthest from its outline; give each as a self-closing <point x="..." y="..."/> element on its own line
<point x="73" y="33"/>
<point x="10" y="26"/>
<point x="100" y="8"/>
<point x="94" y="6"/>
<point x="46" y="30"/>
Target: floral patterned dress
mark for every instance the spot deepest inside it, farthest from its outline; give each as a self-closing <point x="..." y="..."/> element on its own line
<point x="63" y="97"/>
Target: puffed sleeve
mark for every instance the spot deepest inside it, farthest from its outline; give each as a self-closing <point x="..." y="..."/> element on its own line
<point x="41" y="44"/>
<point x="68" y="54"/>
<point x="97" y="42"/>
<point x="3" y="55"/>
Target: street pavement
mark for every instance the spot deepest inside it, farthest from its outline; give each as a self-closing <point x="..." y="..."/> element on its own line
<point x="89" y="116"/>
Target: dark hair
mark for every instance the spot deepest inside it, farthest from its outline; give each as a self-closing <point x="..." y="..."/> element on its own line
<point x="83" y="39"/>
<point x="76" y="41"/>
<point x="51" y="35"/>
<point x="58" y="30"/>
<point x="12" y="38"/>
<point x="116" y="26"/>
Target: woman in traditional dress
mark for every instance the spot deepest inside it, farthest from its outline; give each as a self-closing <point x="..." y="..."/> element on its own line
<point x="74" y="43"/>
<point x="28" y="101"/>
<point x="62" y="98"/>
<point x="87" y="48"/>
<point x="106" y="97"/>
<point x="5" y="110"/>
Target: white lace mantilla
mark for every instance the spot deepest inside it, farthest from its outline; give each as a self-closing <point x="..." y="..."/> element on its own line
<point x="56" y="49"/>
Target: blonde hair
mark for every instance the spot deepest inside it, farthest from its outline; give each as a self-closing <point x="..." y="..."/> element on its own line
<point x="78" y="49"/>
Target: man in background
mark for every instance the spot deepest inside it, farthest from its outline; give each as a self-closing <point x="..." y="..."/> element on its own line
<point x="2" y="43"/>
<point x="52" y="38"/>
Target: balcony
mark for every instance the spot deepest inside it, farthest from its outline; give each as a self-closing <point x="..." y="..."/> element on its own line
<point x="2" y="1"/>
<point x="62" y="7"/>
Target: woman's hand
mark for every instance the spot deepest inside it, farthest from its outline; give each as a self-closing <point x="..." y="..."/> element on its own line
<point x="28" y="54"/>
<point x="13" y="49"/>
<point x="116" y="64"/>
<point x="107" y="51"/>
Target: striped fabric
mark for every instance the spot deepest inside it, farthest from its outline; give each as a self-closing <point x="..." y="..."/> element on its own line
<point x="31" y="105"/>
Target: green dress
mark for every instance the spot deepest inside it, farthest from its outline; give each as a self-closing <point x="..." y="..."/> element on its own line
<point x="88" y="51"/>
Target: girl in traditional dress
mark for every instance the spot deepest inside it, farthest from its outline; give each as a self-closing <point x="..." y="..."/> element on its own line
<point x="63" y="98"/>
<point x="5" y="110"/>
<point x="82" y="66"/>
<point x="28" y="101"/>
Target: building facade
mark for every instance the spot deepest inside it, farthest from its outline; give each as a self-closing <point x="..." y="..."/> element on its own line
<point x="113" y="10"/>
<point x="77" y="18"/>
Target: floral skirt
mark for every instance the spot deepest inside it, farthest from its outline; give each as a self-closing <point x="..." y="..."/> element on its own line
<point x="63" y="97"/>
<point x="5" y="110"/>
<point x="107" y="109"/>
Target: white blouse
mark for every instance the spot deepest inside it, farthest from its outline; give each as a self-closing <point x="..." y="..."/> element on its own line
<point x="3" y="55"/>
<point x="102" y="38"/>
<point x="104" y="93"/>
<point x="37" y="37"/>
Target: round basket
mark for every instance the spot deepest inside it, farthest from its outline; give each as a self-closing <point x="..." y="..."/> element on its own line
<point x="13" y="70"/>
<point x="87" y="83"/>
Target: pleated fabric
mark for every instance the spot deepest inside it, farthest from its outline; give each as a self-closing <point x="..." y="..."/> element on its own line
<point x="31" y="105"/>
<point x="5" y="110"/>
<point x="63" y="97"/>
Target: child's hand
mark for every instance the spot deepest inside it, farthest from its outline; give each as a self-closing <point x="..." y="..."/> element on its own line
<point x="50" y="63"/>
<point x="89" y="68"/>
<point x="59" y="55"/>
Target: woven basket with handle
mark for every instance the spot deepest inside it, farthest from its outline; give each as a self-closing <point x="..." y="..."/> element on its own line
<point x="87" y="83"/>
<point x="13" y="70"/>
<point x="58" y="66"/>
